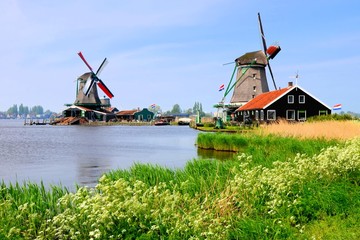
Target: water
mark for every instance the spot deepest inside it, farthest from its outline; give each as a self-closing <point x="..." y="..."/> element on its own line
<point x="70" y="155"/>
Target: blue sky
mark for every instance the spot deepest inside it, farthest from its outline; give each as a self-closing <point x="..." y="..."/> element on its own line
<point x="172" y="52"/>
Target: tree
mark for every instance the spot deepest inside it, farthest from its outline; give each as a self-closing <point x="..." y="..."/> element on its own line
<point x="23" y="110"/>
<point x="37" y="110"/>
<point x="13" y="111"/>
<point x="155" y="108"/>
<point x="198" y="108"/>
<point x="189" y="111"/>
<point x="176" y="109"/>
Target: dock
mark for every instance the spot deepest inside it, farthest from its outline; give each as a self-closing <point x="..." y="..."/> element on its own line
<point x="37" y="122"/>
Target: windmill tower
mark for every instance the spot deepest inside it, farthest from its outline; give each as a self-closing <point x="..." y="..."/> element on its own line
<point x="87" y="93"/>
<point x="250" y="72"/>
<point x="252" y="77"/>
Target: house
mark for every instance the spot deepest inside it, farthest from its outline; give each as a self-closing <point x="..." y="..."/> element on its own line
<point x="126" y="115"/>
<point x="90" y="114"/>
<point x="135" y="115"/>
<point x="292" y="103"/>
<point x="144" y="115"/>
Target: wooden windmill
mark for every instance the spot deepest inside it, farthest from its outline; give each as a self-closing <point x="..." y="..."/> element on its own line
<point x="250" y="73"/>
<point x="87" y="93"/>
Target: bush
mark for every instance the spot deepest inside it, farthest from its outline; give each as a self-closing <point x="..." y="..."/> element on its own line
<point x="335" y="116"/>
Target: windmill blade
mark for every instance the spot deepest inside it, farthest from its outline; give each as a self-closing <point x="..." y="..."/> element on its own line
<point x="88" y="85"/>
<point x="84" y="60"/>
<point x="262" y="34"/>
<point x="103" y="87"/>
<point x="102" y="66"/>
<point x="228" y="63"/>
<point x="272" y="76"/>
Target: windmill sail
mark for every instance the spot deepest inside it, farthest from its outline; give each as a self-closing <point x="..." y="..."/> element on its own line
<point x="88" y="85"/>
<point x="84" y="60"/>
<point x="272" y="50"/>
<point x="87" y="94"/>
<point x="103" y="87"/>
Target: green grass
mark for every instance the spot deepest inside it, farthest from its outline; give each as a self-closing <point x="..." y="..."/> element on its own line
<point x="311" y="191"/>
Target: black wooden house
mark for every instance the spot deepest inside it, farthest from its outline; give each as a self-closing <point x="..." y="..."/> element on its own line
<point x="291" y="103"/>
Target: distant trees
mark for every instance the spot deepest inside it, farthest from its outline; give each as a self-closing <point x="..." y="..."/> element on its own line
<point x="23" y="111"/>
<point x="176" y="109"/>
<point x="13" y="111"/>
<point x="198" y="108"/>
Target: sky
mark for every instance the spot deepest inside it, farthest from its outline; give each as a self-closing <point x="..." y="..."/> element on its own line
<point x="173" y="52"/>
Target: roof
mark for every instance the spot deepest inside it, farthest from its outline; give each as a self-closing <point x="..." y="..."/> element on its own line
<point x="111" y="109"/>
<point x="247" y="58"/>
<point x="85" y="109"/>
<point x="126" y="112"/>
<point x="265" y="99"/>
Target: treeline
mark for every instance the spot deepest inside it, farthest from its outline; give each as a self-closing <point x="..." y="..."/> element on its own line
<point x="176" y="109"/>
<point x="22" y="111"/>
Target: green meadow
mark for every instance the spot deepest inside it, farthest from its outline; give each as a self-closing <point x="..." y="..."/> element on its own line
<point x="277" y="188"/>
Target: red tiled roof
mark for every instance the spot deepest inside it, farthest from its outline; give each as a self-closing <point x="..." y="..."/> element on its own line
<point x="260" y="101"/>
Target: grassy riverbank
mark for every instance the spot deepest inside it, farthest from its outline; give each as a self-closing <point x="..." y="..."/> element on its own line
<point x="278" y="188"/>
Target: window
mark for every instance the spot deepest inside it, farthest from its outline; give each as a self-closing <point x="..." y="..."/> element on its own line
<point x="256" y="115"/>
<point x="301" y="115"/>
<point x="322" y="112"/>
<point x="271" y="115"/>
<point x="301" y="98"/>
<point x="262" y="115"/>
<point x="290" y="114"/>
<point x="290" y="98"/>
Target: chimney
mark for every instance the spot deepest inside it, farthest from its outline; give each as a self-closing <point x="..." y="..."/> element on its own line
<point x="290" y="84"/>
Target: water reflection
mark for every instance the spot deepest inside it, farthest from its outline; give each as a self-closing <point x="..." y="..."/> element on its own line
<point x="90" y="169"/>
<point x="212" y="154"/>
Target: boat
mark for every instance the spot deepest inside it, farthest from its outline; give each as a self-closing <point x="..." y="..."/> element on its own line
<point x="184" y="121"/>
<point x="161" y="123"/>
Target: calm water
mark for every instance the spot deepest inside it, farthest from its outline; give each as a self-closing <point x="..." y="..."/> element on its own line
<point x="70" y="155"/>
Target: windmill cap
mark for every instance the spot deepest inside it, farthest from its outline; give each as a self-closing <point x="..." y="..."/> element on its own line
<point x="249" y="57"/>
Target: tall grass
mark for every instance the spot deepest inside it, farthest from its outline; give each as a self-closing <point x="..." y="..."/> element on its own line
<point x="24" y="208"/>
<point x="320" y="129"/>
<point x="265" y="149"/>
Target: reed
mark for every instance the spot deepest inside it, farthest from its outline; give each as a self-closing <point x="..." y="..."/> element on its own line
<point x="324" y="129"/>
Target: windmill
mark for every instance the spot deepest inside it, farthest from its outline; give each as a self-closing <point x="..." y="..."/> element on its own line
<point x="87" y="93"/>
<point x="251" y="78"/>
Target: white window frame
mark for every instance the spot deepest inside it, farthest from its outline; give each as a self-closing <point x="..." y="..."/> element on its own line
<point x="262" y="115"/>
<point x="323" y="112"/>
<point x="291" y="99"/>
<point x="271" y="112"/>
<point x="293" y="114"/>
<point x="256" y="115"/>
<point x="299" y="112"/>
<point x="301" y="97"/>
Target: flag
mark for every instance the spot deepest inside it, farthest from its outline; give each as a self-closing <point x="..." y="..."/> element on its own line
<point x="153" y="105"/>
<point x="337" y="106"/>
<point x="222" y="87"/>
